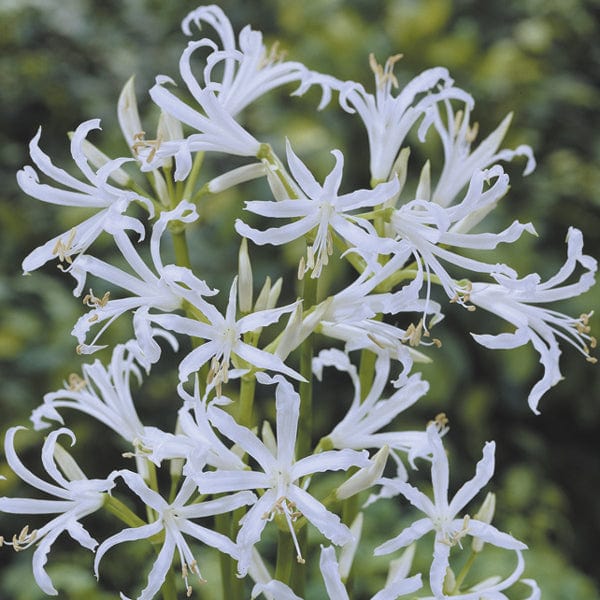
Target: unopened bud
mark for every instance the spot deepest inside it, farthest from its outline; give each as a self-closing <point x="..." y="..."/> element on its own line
<point x="485" y="514"/>
<point x="245" y="278"/>
<point x="424" y="188"/>
<point x="98" y="159"/>
<point x="263" y="295"/>
<point x="400" y="568"/>
<point x="127" y="113"/>
<point x="349" y="550"/>
<point x="235" y="177"/>
<point x="366" y="477"/>
<point x="67" y="464"/>
<point x="449" y="582"/>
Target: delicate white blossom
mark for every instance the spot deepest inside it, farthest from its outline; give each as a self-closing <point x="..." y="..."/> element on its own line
<point x="442" y="514"/>
<point x="175" y="519"/>
<point x="280" y="476"/>
<point x="517" y="301"/>
<point x="76" y="497"/>
<point x="111" y="202"/>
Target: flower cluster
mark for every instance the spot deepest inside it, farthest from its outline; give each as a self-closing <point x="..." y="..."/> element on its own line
<point x="235" y="480"/>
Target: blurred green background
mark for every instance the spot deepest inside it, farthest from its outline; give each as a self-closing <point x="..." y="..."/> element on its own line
<point x="65" y="61"/>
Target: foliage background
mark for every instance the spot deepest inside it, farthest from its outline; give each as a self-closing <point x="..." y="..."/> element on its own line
<point x="64" y="61"/>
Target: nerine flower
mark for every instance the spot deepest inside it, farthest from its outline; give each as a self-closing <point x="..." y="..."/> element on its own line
<point x="76" y="497"/>
<point x="248" y="72"/>
<point x="424" y="230"/>
<point x="164" y="290"/>
<point x="517" y="301"/>
<point x="389" y="118"/>
<point x="279" y="476"/>
<point x="223" y="335"/>
<point x="319" y="209"/>
<point x="460" y="163"/>
<point x="175" y="519"/>
<point x="441" y="514"/>
<point x="96" y="193"/>
<point x="361" y="427"/>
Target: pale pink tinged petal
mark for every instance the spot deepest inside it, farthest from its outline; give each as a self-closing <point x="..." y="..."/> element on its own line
<point x="407" y="536"/>
<point x="491" y="535"/>
<point x="483" y="473"/>
<point x="131" y="534"/>
<point x="328" y="523"/>
<point x="331" y="575"/>
<point x="217" y="482"/>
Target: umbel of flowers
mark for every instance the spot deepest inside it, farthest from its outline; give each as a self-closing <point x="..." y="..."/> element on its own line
<point x="234" y="481"/>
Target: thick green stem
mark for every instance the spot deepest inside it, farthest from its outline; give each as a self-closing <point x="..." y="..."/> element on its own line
<point x="464" y="572"/>
<point x="246" y="403"/>
<point x="285" y="554"/>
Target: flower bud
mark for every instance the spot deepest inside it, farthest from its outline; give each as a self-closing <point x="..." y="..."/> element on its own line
<point x="485" y="514"/>
<point x="127" y="112"/>
<point x="245" y="278"/>
<point x="235" y="177"/>
<point x="364" y="478"/>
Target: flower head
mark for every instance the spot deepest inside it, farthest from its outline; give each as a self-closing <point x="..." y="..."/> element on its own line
<point x="76" y="497"/>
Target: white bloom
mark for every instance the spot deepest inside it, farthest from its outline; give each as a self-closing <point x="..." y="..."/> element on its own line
<point x="389" y="118"/>
<point x="361" y="426"/>
<point x="457" y="135"/>
<point x="110" y="201"/>
<point x="77" y="497"/>
<point x="175" y="520"/>
<point x="398" y="585"/>
<point x="166" y="290"/>
<point x="318" y="209"/>
<point x="280" y="476"/>
<point x="517" y="301"/>
<point x="442" y="514"/>
<point x="223" y="335"/>
<point x="424" y="229"/>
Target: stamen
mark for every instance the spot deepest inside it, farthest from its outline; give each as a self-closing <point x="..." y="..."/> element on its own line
<point x="76" y="383"/>
<point x="63" y="250"/>
<point x="141" y="143"/>
<point x="385" y="75"/>
<point x="21" y="541"/>
<point x="94" y="302"/>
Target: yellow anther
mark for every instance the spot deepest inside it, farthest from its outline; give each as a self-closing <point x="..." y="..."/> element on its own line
<point x="384" y="74"/>
<point x="63" y="249"/>
<point x="76" y="383"/>
<point x="94" y="302"/>
<point x="141" y="143"/>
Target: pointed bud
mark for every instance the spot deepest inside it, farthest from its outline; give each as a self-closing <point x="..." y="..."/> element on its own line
<point x="274" y="292"/>
<point x="277" y="188"/>
<point x="449" y="582"/>
<point x="424" y="188"/>
<point x="268" y="438"/>
<point x="400" y="568"/>
<point x="160" y="187"/>
<point x="245" y="278"/>
<point x="364" y="478"/>
<point x="235" y="177"/>
<point x="127" y="112"/>
<point x="263" y="296"/>
<point x="400" y="169"/>
<point x="67" y="464"/>
<point x="485" y="514"/>
<point x="169" y="128"/>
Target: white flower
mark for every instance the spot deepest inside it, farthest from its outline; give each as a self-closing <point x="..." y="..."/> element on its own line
<point x="517" y="301"/>
<point x="110" y="201"/>
<point x="223" y="335"/>
<point x="361" y="426"/>
<point x="77" y="497"/>
<point x="425" y="230"/>
<point x="279" y="477"/>
<point x="457" y="135"/>
<point x="175" y="520"/>
<point x="396" y="586"/>
<point x="319" y="209"/>
<point x="166" y="290"/>
<point x="442" y="515"/>
<point x="388" y="119"/>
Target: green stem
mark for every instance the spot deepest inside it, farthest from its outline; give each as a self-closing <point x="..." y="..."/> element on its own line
<point x="246" y="403"/>
<point x="463" y="572"/>
<point x="193" y="176"/>
<point x="285" y="553"/>
<point x="122" y="512"/>
<point x="182" y="255"/>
